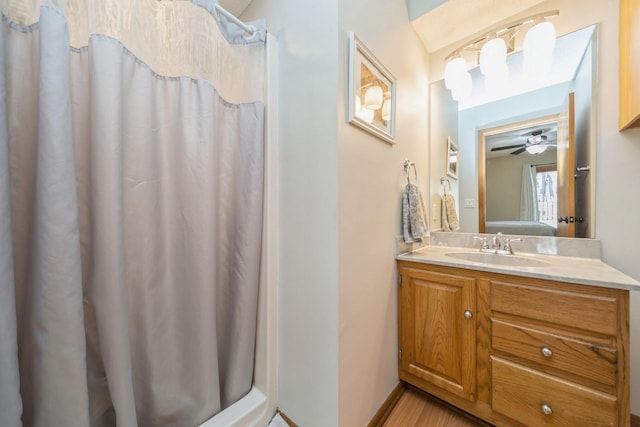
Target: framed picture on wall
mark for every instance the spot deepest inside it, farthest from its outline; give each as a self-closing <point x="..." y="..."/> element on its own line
<point x="452" y="158"/>
<point x="372" y="92"/>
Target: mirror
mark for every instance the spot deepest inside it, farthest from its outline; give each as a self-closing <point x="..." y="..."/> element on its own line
<point x="497" y="138"/>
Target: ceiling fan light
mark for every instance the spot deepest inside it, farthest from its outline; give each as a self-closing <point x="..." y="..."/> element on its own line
<point x="536" y="149"/>
<point x="454" y="72"/>
<point x="493" y="56"/>
<point x="373" y="98"/>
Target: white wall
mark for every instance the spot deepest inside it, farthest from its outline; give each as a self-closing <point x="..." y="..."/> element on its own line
<point x="340" y="206"/>
<point x="504" y="183"/>
<point x="308" y="40"/>
<point x="371" y="180"/>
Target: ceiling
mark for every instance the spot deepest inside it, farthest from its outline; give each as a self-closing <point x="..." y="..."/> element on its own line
<point x="437" y="29"/>
<point x="235" y="7"/>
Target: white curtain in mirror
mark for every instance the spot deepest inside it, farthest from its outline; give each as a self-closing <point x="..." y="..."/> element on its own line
<point x="528" y="195"/>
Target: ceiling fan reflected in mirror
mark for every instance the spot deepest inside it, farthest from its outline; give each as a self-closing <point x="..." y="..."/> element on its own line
<point x="535" y="144"/>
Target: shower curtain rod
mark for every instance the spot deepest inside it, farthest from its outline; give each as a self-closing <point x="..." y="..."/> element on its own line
<point x="247" y="28"/>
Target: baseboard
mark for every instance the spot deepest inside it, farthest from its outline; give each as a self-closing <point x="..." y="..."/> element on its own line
<point x="385" y="410"/>
<point x="635" y="420"/>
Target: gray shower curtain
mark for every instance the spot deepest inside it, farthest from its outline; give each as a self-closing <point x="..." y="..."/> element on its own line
<point x="130" y="214"/>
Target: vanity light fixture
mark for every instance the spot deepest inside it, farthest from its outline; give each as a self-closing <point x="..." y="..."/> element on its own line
<point x="492" y="48"/>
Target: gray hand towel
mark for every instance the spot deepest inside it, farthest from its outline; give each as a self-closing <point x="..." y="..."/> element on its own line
<point x="414" y="222"/>
<point x="449" y="214"/>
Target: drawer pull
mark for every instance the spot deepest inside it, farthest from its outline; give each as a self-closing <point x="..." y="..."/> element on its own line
<point x="468" y="314"/>
<point x="546" y="409"/>
<point x="546" y="352"/>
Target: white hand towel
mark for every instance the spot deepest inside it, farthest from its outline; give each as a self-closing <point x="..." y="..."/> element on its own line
<point x="414" y="223"/>
<point x="449" y="214"/>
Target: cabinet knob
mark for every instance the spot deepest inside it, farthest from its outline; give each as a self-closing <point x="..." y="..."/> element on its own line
<point x="546" y="352"/>
<point x="546" y="409"/>
<point x="468" y="314"/>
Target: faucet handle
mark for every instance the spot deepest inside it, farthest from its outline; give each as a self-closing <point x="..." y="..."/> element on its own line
<point x="485" y="243"/>
<point x="507" y="243"/>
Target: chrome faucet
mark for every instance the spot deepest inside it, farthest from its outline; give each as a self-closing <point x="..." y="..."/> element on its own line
<point x="496" y="243"/>
<point x="496" y="246"/>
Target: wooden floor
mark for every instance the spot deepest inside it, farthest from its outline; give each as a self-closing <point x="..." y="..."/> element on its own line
<point x="415" y="409"/>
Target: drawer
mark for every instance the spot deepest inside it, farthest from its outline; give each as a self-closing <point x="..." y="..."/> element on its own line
<point x="572" y="355"/>
<point x="525" y="395"/>
<point x="595" y="313"/>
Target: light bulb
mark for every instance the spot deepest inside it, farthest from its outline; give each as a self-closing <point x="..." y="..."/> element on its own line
<point x="493" y="56"/>
<point x="538" y="49"/>
<point x="453" y="72"/>
<point x="373" y="98"/>
<point x="363" y="113"/>
<point x="463" y="88"/>
<point x="497" y="81"/>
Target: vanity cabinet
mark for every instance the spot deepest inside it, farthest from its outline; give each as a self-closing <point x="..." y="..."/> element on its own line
<point x="515" y="350"/>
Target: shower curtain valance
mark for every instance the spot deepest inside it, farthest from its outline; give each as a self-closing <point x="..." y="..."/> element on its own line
<point x="174" y="38"/>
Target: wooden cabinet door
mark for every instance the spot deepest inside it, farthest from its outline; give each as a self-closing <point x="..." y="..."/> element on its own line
<point x="629" y="65"/>
<point x="438" y="330"/>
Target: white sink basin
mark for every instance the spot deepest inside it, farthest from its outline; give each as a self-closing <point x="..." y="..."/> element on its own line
<point x="506" y="260"/>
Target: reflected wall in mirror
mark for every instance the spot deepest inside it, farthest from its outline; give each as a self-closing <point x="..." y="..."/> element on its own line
<point x="490" y="182"/>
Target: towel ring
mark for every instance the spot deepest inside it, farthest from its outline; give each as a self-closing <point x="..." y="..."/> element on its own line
<point x="407" y="165"/>
<point x="444" y="179"/>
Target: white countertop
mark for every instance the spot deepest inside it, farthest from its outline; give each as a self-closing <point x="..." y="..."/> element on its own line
<point x="585" y="271"/>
